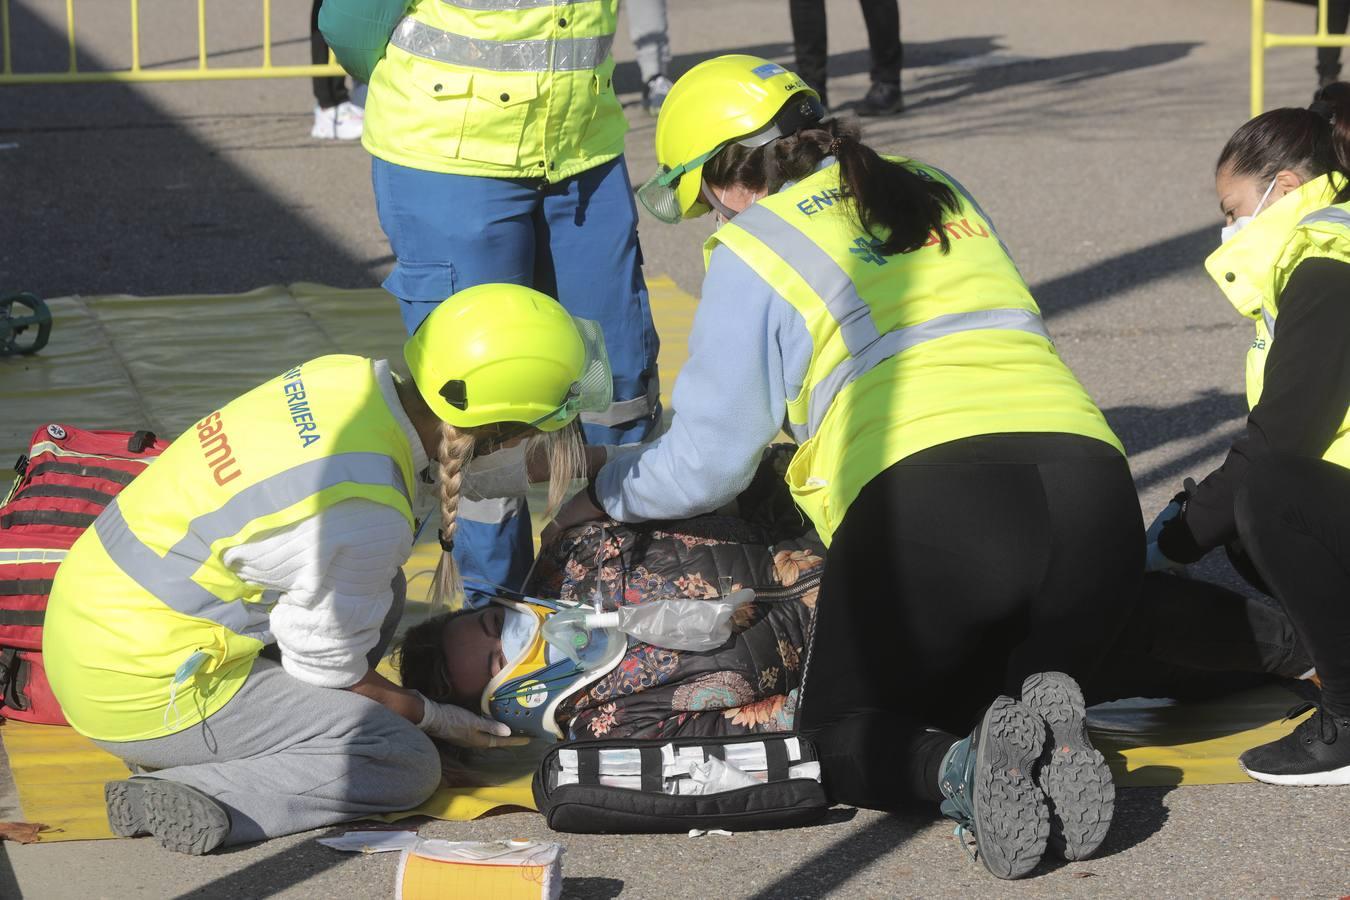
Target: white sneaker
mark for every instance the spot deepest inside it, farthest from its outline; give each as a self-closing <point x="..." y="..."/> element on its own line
<point x="342" y="122"/>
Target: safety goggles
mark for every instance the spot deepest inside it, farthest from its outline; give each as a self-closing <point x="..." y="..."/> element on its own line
<point x="658" y="193"/>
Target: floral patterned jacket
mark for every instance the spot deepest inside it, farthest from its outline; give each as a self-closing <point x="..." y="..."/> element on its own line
<point x="751" y="684"/>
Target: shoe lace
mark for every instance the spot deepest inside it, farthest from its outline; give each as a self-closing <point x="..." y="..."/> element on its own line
<point x="1321" y="722"/>
<point x="957" y="777"/>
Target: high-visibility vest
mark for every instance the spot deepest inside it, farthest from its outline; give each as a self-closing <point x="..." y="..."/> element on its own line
<point x="145" y="588"/>
<point x="1253" y="268"/>
<point x="908" y="351"/>
<point x="502" y="88"/>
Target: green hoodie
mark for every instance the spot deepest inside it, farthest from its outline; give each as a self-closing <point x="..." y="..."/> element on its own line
<point x="358" y="30"/>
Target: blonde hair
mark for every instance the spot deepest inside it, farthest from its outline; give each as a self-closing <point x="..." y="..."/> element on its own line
<point x="567" y="461"/>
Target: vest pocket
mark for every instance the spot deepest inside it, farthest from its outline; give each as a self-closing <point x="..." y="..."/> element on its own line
<point x="498" y="108"/>
<point x="442" y="105"/>
<point x="811" y="492"/>
<point x="607" y="116"/>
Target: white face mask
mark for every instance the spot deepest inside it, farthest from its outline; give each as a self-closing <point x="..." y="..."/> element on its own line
<point x="1228" y="232"/>
<point x="723" y="213"/>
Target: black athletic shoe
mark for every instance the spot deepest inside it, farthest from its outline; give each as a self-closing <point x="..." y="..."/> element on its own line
<point x="1316" y="752"/>
<point x="987" y="781"/>
<point x="1071" y="772"/>
<point x="882" y="100"/>
<point x="182" y="818"/>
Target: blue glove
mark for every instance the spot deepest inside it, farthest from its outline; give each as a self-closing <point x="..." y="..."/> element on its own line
<point x="1156" y="561"/>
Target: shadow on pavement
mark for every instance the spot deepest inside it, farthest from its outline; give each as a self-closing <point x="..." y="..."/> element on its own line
<point x="591" y="888"/>
<point x="832" y="867"/>
<point x="1063" y="70"/>
<point x="917" y="54"/>
<point x="1140" y="814"/>
<point x="1177" y="469"/>
<point x="9" y="883"/>
<point x="1142" y="428"/>
<point x="269" y="876"/>
<point x="108" y="192"/>
<point x="1105" y="278"/>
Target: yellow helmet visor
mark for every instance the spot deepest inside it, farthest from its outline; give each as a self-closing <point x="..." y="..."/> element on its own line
<point x="593" y="391"/>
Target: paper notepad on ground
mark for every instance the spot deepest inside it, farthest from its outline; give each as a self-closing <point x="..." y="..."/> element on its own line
<point x="483" y="870"/>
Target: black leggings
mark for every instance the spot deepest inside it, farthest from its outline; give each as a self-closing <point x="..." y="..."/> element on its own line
<point x="956" y="573"/>
<point x="1293" y="518"/>
<point x="328" y="91"/>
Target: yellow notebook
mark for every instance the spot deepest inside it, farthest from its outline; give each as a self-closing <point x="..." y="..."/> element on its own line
<point x="482" y="870"/>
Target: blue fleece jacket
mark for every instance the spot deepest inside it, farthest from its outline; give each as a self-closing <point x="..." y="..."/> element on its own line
<point x="748" y="353"/>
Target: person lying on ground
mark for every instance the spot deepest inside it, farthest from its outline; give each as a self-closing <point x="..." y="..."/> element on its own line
<point x="750" y="684"/>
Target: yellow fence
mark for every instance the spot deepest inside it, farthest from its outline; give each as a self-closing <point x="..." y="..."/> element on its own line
<point x="202" y="72"/>
<point x="1261" y="40"/>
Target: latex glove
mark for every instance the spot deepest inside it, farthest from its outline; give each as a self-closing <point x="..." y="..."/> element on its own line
<point x="1155" y="560"/>
<point x="456" y="725"/>
<point x="1170" y="511"/>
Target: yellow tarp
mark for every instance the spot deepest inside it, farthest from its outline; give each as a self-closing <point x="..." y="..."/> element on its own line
<point x="60" y="775"/>
<point x="161" y="363"/>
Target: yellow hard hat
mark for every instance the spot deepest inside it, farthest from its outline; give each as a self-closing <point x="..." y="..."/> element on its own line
<point x="507" y="353"/>
<point x="728" y="99"/>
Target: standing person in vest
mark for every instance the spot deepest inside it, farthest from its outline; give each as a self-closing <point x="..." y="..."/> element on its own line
<point x="497" y="141"/>
<point x="1280" y="502"/>
<point x="218" y="626"/>
<point x="981" y="520"/>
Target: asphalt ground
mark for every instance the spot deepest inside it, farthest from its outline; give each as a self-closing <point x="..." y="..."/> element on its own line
<point x="1087" y="130"/>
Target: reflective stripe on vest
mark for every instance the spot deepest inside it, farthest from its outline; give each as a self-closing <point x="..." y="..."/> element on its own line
<point x="562" y="55"/>
<point x="900" y="340"/>
<point x="168" y="578"/>
<point x="867" y="347"/>
<point x="621" y="411"/>
<point x="1329" y="214"/>
<point x="810" y="261"/>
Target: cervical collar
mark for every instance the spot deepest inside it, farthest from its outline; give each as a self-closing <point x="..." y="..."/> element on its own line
<point x="527" y="691"/>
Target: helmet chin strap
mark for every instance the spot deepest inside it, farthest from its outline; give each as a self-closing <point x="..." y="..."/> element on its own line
<point x="718" y="203"/>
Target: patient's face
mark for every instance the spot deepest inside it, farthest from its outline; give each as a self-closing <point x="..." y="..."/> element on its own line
<point x="473" y="653"/>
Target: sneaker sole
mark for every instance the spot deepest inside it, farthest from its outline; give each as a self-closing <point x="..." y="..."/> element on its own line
<point x="1012" y="821"/>
<point x="126" y="815"/>
<point x="1072" y="773"/>
<point x="181" y="818"/>
<point x="1330" y="777"/>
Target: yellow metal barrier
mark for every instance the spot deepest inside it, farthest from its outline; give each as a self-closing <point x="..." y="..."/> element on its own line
<point x="1262" y="40"/>
<point x="202" y="72"/>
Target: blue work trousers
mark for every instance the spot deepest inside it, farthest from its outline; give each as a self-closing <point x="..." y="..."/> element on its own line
<point x="575" y="240"/>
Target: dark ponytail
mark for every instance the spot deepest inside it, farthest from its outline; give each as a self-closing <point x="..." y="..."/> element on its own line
<point x="889" y="199"/>
<point x="1312" y="142"/>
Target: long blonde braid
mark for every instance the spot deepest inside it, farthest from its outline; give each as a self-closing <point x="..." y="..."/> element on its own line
<point x="453" y="453"/>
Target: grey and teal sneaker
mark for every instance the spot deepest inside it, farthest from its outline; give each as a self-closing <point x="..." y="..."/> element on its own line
<point x="181" y="818"/>
<point x="1071" y="772"/>
<point x="987" y="781"/>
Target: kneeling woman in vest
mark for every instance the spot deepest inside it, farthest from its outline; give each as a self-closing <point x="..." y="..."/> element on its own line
<point x="981" y="520"/>
<point x="279" y="522"/>
<point x="1281" y="500"/>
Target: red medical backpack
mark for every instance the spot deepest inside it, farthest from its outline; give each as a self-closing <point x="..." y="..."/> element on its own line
<point x="64" y="481"/>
